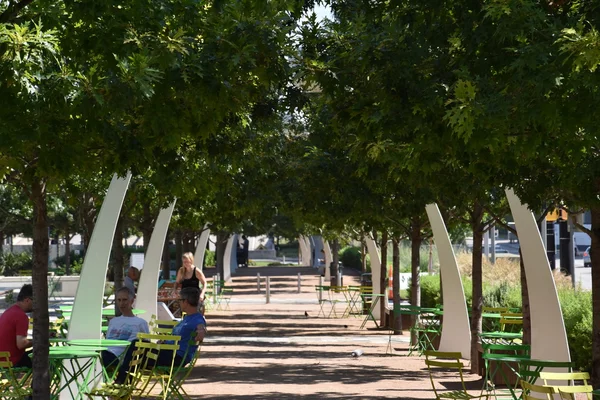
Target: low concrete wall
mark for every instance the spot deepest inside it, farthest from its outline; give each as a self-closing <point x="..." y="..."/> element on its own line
<point x="66" y="286"/>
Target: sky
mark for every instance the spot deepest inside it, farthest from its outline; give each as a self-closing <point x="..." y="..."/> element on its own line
<point x="323" y="11"/>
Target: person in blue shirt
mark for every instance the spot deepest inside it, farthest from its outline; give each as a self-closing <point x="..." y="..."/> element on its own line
<point x="192" y="326"/>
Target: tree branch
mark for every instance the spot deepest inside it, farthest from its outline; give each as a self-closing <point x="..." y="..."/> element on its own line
<point x="13" y="10"/>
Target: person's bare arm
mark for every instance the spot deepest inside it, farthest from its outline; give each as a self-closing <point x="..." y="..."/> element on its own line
<point x="200" y="333"/>
<point x="23" y="342"/>
<point x="179" y="278"/>
<point x="202" y="279"/>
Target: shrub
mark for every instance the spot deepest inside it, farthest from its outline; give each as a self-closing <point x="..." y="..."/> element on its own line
<point x="9" y="298"/>
<point x="209" y="259"/>
<point x="576" y="307"/>
<point x="350" y="257"/>
<point x="76" y="263"/>
<point x="12" y="263"/>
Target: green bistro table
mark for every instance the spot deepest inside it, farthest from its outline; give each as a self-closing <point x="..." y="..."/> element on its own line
<point x="102" y="344"/>
<point x="501" y="337"/>
<point x="98" y="343"/>
<point x="354" y="299"/>
<point x="503" y="361"/>
<point x="107" y="312"/>
<point x="55" y="342"/>
<point x="75" y="376"/>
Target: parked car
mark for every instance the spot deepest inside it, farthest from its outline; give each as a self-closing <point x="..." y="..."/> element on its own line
<point x="587" y="259"/>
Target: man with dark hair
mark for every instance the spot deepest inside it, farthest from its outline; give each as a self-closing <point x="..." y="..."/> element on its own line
<point x="192" y="326"/>
<point x="14" y="324"/>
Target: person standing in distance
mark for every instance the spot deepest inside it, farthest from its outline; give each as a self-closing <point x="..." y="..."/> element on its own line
<point x="190" y="276"/>
<point x="14" y="324"/>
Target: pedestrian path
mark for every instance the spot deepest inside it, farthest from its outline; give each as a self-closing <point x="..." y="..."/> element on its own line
<point x="281" y="350"/>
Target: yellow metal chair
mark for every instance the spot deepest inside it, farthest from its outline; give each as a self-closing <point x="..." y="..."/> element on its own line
<point x="557" y="380"/>
<point x="536" y="392"/>
<point x="568" y="392"/>
<point x="128" y="389"/>
<point x="161" y="326"/>
<point x="15" y="383"/>
<point x="511" y="322"/>
<point x="446" y="360"/>
<point x="180" y="374"/>
<point x="152" y="375"/>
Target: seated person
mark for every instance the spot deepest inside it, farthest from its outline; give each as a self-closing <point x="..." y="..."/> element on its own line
<point x="133" y="275"/>
<point x="192" y="326"/>
<point x="14" y="324"/>
<point x="124" y="327"/>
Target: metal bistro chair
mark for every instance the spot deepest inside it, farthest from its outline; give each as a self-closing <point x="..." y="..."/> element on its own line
<point x="449" y="361"/>
<point x="15" y="383"/>
<point x="181" y="372"/>
<point x="556" y="380"/>
<point x="536" y="392"/>
<point x="126" y="390"/>
<point x="161" y="326"/>
<point x="150" y="373"/>
<point x="568" y="392"/>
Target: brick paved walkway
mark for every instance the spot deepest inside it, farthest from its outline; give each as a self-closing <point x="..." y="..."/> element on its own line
<point x="273" y="351"/>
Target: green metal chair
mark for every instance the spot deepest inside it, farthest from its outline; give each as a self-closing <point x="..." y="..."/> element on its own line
<point x="180" y="374"/>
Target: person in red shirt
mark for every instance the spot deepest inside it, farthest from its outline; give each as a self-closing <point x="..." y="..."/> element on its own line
<point x="14" y="324"/>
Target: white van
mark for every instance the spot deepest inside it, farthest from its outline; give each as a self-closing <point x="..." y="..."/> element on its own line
<point x="581" y="240"/>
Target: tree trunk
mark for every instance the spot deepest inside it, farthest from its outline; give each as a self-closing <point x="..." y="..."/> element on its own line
<point x="363" y="257"/>
<point x="88" y="217"/>
<point x="415" y="267"/>
<point x="525" y="303"/>
<point x="220" y="250"/>
<point x="178" y="249"/>
<point x="383" y="274"/>
<point x="41" y="326"/>
<point x="118" y="255"/>
<point x="1" y="243"/>
<point x="67" y="254"/>
<point x="595" y="250"/>
<point x="166" y="260"/>
<point x="146" y="225"/>
<point x="335" y="251"/>
<point x="397" y="321"/>
<point x="477" y="277"/>
<point x="188" y="241"/>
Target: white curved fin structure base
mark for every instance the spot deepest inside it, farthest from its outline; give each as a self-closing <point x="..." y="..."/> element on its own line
<point x="230" y="258"/>
<point x="548" y="335"/>
<point x="328" y="261"/>
<point x="375" y="257"/>
<point x="148" y="288"/>
<point x="201" y="248"/>
<point x="456" y="332"/>
<point x="86" y="318"/>
<point x="304" y="251"/>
